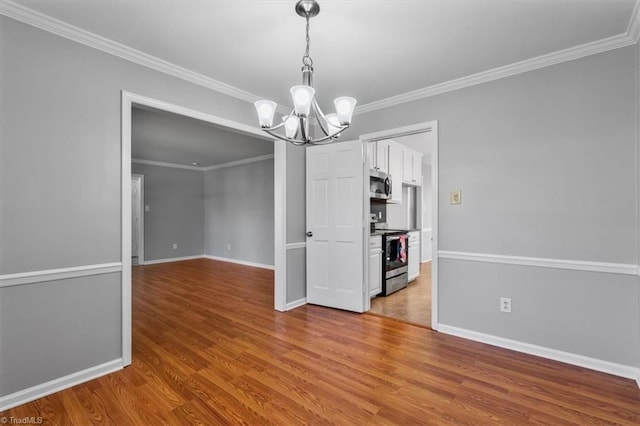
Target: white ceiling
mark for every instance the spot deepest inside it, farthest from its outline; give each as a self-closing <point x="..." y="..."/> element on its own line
<point x="170" y="138"/>
<point x="370" y="50"/>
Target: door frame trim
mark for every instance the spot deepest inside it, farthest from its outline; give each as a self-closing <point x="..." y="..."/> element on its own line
<point x="429" y="126"/>
<point x="140" y="179"/>
<point x="128" y="100"/>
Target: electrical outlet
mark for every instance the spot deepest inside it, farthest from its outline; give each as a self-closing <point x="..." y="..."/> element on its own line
<point x="229" y="247"/>
<point x="456" y="197"/>
<point x="175" y="246"/>
<point x="505" y="305"/>
<point x="147" y="208"/>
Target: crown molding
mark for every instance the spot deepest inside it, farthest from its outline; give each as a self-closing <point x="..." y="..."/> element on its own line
<point x="577" y="52"/>
<point x="164" y="164"/>
<point x="633" y="30"/>
<point x="239" y="162"/>
<point x="201" y="168"/>
<point x="47" y="23"/>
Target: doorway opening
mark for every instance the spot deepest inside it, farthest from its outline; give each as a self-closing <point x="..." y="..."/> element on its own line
<point x="132" y="101"/>
<point x="417" y="213"/>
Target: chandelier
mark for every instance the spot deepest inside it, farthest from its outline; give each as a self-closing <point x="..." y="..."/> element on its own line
<point x="306" y="111"/>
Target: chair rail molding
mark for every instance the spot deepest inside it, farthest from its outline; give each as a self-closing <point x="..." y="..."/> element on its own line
<point x="21" y="278"/>
<point x="577" y="265"/>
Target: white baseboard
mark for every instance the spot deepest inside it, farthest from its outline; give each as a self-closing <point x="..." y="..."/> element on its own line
<point x="172" y="259"/>
<point x="56" y="385"/>
<point x="239" y="262"/>
<point x="541" y="351"/>
<point x="296" y="303"/>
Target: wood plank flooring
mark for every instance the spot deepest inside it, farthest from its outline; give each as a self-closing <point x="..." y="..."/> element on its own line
<point x="411" y="304"/>
<point x="208" y="348"/>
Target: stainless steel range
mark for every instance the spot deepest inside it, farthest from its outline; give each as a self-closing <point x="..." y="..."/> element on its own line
<point x="395" y="260"/>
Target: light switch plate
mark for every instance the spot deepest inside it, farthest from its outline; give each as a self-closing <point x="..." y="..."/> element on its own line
<point x="456" y="197"/>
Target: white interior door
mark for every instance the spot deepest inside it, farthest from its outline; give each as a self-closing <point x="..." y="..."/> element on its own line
<point x="335" y="226"/>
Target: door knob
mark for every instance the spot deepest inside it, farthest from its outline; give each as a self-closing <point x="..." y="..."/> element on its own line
<point x="309" y="234"/>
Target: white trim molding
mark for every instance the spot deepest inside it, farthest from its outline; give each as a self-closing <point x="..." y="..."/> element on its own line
<point x="294" y="246"/>
<point x="633" y="30"/>
<point x="280" y="225"/>
<point x="206" y="168"/>
<point x="239" y="162"/>
<point x="56" y="385"/>
<point x="576" y="265"/>
<point x="239" y="262"/>
<point x="164" y="164"/>
<point x="608" y="367"/>
<point x="9" y="280"/>
<point x="577" y="52"/>
<point x="296" y="303"/>
<point x="172" y="259"/>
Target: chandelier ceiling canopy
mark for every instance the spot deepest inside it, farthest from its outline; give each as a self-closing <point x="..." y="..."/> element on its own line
<point x="306" y="123"/>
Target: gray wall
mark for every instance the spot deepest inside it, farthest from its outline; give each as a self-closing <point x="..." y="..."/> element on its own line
<point x="60" y="139"/>
<point x="54" y="328"/>
<point x="546" y="163"/>
<point x="176" y="211"/>
<point x="239" y="211"/>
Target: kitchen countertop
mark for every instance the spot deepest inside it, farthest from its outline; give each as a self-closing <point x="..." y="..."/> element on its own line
<point x="386" y="231"/>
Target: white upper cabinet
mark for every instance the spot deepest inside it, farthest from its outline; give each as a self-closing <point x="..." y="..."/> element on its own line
<point x="395" y="170"/>
<point x="411" y="167"/>
<point x="371" y="155"/>
<point x="379" y="156"/>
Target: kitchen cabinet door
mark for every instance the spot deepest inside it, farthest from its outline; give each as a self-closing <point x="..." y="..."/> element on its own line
<point x="375" y="272"/>
<point x="411" y="167"/>
<point x="417" y="169"/>
<point x="382" y="156"/>
<point x="414" y="255"/>
<point x="395" y="170"/>
<point x="371" y="155"/>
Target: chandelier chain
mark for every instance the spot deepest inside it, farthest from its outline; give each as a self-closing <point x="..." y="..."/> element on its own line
<point x="306" y="59"/>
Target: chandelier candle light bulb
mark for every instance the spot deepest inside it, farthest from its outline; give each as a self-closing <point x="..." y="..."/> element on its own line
<point x="266" y="111"/>
<point x="290" y="126"/>
<point x="297" y="128"/>
<point x="302" y="97"/>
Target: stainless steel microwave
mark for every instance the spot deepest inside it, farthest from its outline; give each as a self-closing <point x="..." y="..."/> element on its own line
<point x="379" y="185"/>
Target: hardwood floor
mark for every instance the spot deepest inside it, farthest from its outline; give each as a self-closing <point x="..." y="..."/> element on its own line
<point x="411" y="304"/>
<point x="208" y="348"/>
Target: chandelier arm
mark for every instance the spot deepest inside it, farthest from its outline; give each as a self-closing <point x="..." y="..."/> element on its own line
<point x="328" y="139"/>
<point x="304" y="129"/>
<point x="324" y="140"/>
<point x="318" y="111"/>
<point x="273" y="127"/>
